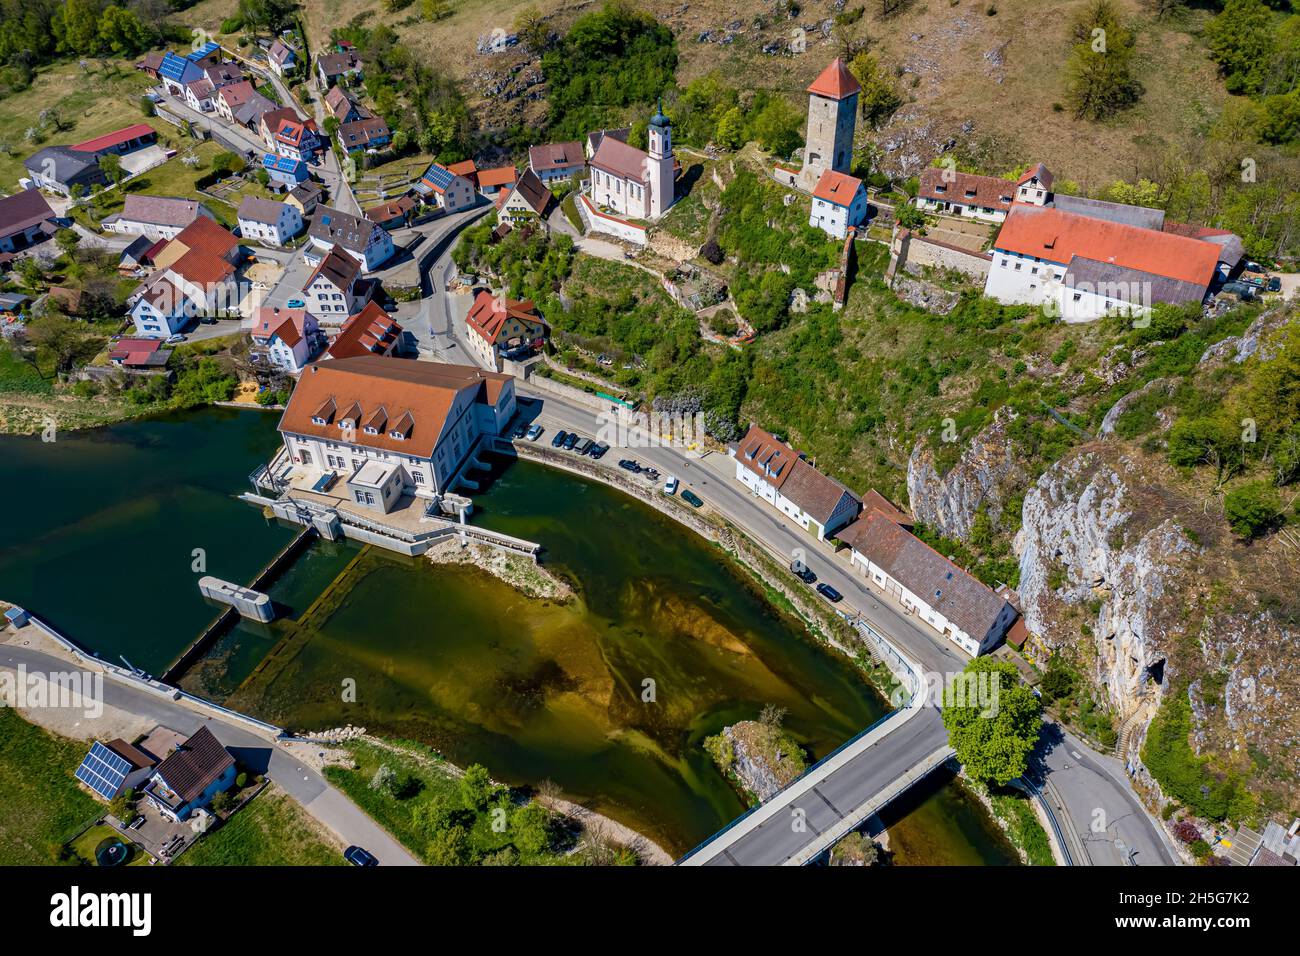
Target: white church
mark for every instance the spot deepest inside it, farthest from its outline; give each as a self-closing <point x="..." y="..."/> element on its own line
<point x="635" y="183"/>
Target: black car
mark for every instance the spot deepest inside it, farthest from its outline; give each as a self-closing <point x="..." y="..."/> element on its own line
<point x="691" y="498"/>
<point x="598" y="450"/>
<point x="519" y="432"/>
<point x="630" y="465"/>
<point x="829" y="593"/>
<point x="802" y="572"/>
<point x="560" y="438"/>
<point x="359" y="857"/>
<point x="570" y="440"/>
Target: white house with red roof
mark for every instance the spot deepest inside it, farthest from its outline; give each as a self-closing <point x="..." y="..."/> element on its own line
<point x="770" y="469"/>
<point x="498" y="326"/>
<point x="839" y="202"/>
<point x="944" y="190"/>
<point x="1083" y="267"/>
<point x="285" y="338"/>
<point x="390" y="427"/>
<point x="446" y="189"/>
<point x="832" y="113"/>
<point x="335" y="289"/>
<point x="958" y="606"/>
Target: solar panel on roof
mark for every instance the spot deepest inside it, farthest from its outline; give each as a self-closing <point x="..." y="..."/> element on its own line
<point x="205" y="50"/>
<point x="103" y="771"/>
<point x="173" y="67"/>
<point x="440" y="176"/>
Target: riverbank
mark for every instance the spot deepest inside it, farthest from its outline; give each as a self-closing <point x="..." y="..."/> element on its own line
<point x="412" y="791"/>
<point x="778" y="584"/>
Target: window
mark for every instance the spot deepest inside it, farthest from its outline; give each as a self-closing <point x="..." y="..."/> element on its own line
<point x="1018" y="266"/>
<point x="305" y="455"/>
<point x="1004" y="262"/>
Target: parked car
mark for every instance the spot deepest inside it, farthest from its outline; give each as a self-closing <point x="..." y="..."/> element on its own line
<point x="583" y="446"/>
<point x="570" y="440"/>
<point x="802" y="571"/>
<point x="560" y="437"/>
<point x="359" y="857"/>
<point x="534" y="433"/>
<point x="630" y="464"/>
<point x="518" y="432"/>
<point x="670" y="486"/>
<point x="829" y="593"/>
<point x="691" y="498"/>
<point x="174" y="339"/>
<point x="598" y="451"/>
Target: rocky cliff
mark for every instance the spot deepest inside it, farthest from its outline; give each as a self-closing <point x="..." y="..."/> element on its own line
<point x="986" y="475"/>
<point x="1143" y="587"/>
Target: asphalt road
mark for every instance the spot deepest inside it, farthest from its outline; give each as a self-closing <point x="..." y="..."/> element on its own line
<point x="801" y="815"/>
<point x="309" y="788"/>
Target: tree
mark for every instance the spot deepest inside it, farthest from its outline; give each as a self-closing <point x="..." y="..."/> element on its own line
<point x="1058" y="682"/>
<point x="993" y="720"/>
<point x="530" y="828"/>
<point x="111" y="164"/>
<point x="1098" y="74"/>
<point x="776" y="127"/>
<point x="1240" y="40"/>
<point x="123" y="33"/>
<point x="730" y="131"/>
<point x="476" y="787"/>
<point x="147" y="106"/>
<point x="67" y="239"/>
<point x="1252" y="508"/>
<point x="880" y="96"/>
<point x="76" y="27"/>
<point x="532" y="30"/>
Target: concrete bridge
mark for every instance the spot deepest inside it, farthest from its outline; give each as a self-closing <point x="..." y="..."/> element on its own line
<point x="840" y="792"/>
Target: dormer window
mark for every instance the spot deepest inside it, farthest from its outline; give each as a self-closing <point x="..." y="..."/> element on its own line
<point x="940" y="188"/>
<point x="970" y="194"/>
<point x="317" y="420"/>
<point x="395" y="434"/>
<point x="370" y="430"/>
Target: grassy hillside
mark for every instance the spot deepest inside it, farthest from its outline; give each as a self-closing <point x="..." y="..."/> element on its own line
<point x="965" y="73"/>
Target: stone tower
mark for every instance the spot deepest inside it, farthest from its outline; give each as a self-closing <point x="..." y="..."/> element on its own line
<point x="659" y="161"/>
<point x="832" y="113"/>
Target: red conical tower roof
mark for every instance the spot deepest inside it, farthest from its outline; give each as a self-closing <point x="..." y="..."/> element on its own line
<point x="835" y="82"/>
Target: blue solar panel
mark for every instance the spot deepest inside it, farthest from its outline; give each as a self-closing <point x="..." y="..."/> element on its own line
<point x="439" y="175"/>
<point x="173" y="67"/>
<point x="206" y="49"/>
<point x="103" y="771"/>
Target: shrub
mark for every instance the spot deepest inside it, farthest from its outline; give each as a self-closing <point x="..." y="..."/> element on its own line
<point x="1251" y="508"/>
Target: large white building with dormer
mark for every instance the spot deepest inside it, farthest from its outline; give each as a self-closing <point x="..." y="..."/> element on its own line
<point x="638" y="184"/>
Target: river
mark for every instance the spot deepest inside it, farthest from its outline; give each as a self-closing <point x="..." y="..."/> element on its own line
<point x="609" y="696"/>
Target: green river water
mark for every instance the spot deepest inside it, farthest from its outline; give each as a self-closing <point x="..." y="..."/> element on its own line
<point x="450" y="655"/>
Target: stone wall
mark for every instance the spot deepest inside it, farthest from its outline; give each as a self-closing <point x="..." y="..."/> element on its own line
<point x="912" y="253"/>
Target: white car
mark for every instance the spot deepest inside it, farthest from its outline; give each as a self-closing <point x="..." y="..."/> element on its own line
<point x="174" y="339"/>
<point x="670" y="486"/>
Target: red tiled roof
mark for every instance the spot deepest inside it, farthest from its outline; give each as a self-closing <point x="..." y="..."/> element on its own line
<point x="945" y="587"/>
<point x="468" y="169"/>
<point x="836" y="187"/>
<point x="624" y="161"/>
<point x="289" y="325"/>
<point x="237" y="94"/>
<point x="421" y="392"/>
<point x="116" y="138"/>
<point x="550" y="156"/>
<point x="836" y="81"/>
<point x="201" y="268"/>
<point x="371" y="331"/>
<point x="497" y="176"/>
<point x="987" y="192"/>
<point x="207" y="235"/>
<point x="487" y="316"/>
<point x="1058" y="236"/>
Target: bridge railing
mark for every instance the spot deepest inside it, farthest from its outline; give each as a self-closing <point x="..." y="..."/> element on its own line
<point x="740" y="819"/>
